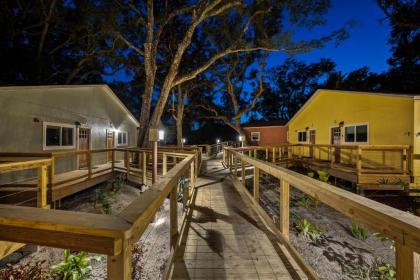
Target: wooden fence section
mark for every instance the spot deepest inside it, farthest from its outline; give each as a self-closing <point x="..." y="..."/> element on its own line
<point x="135" y="162"/>
<point x="369" y="166"/>
<point x="402" y="227"/>
<point x="113" y="236"/>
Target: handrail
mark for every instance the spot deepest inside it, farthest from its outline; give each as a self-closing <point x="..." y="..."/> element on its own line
<point x="103" y="234"/>
<point x="403" y="227"/>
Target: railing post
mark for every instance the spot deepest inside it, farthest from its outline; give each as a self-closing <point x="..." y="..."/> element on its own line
<point x="289" y="152"/>
<point x="332" y="156"/>
<point x="404" y="161"/>
<point x="274" y="154"/>
<point x="266" y="153"/>
<point x="113" y="161"/>
<point x="119" y="267"/>
<point x="89" y="160"/>
<point x="164" y="164"/>
<point x="192" y="176"/>
<point x="173" y="217"/>
<point x="42" y="187"/>
<point x="235" y="164"/>
<point x="359" y="161"/>
<point x="144" y="169"/>
<point x="127" y="163"/>
<point x="255" y="153"/>
<point x="407" y="262"/>
<point x="51" y="179"/>
<point x="243" y="173"/>
<point x="284" y="208"/>
<point x="256" y="184"/>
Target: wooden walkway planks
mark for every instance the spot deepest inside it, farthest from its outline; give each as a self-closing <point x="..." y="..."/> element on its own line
<point x="226" y="239"/>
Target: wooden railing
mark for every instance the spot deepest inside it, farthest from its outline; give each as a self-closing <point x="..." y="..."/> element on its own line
<point x="364" y="159"/>
<point x="214" y="149"/>
<point x="135" y="162"/>
<point x="402" y="227"/>
<point x="110" y="235"/>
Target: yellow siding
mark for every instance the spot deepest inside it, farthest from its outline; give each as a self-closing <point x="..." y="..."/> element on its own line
<point x="390" y="121"/>
<point x="416" y="142"/>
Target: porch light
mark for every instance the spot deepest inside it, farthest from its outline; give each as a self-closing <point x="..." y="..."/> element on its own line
<point x="184" y="140"/>
<point x="240" y="138"/>
<point x="161" y="135"/>
<point x="217" y="141"/>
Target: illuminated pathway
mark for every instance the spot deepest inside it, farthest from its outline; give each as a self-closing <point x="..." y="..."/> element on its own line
<point x="226" y="239"/>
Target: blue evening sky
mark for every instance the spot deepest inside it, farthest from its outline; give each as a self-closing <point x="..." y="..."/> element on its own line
<point x="366" y="46"/>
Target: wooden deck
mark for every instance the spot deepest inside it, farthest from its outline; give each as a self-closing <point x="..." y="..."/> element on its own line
<point x="225" y="238"/>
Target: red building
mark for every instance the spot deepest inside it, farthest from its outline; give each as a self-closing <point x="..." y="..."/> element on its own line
<point x="262" y="133"/>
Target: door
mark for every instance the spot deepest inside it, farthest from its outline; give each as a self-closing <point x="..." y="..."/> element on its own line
<point x="109" y="143"/>
<point x="84" y="144"/>
<point x="336" y="140"/>
<point x="312" y="138"/>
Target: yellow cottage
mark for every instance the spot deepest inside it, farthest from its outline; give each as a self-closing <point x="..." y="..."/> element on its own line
<point x="351" y="122"/>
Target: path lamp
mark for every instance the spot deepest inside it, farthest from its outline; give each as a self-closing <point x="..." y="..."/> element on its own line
<point x="155" y="135"/>
<point x="217" y="146"/>
<point x="241" y="139"/>
<point x="183" y="142"/>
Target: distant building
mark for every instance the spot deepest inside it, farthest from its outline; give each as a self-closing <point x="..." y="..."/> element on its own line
<point x="260" y="133"/>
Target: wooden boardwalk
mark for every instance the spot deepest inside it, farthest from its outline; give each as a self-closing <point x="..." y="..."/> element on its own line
<point x="225" y="239"/>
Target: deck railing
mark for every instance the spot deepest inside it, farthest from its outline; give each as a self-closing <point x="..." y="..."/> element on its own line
<point x="135" y="162"/>
<point x="113" y="236"/>
<point x="363" y="159"/>
<point x="402" y="227"/>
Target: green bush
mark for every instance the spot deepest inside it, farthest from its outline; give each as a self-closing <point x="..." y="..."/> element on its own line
<point x="359" y="231"/>
<point x="25" y="272"/>
<point x="74" y="267"/>
<point x="385" y="238"/>
<point x="311" y="174"/>
<point x="323" y="176"/>
<point x="309" y="231"/>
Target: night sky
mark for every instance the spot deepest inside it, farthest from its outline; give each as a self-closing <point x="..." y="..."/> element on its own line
<point x="366" y="46"/>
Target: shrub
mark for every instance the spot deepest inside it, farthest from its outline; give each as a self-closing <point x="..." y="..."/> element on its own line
<point x="323" y="176"/>
<point x="359" y="231"/>
<point x="311" y="174"/>
<point x="25" y="272"/>
<point x="379" y="270"/>
<point x="309" y="231"/>
<point x="119" y="182"/>
<point x="74" y="267"/>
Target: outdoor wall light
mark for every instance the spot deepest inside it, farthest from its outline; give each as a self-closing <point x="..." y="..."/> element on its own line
<point x="341" y="123"/>
<point x="184" y="140"/>
<point x="240" y="138"/>
<point x="161" y="135"/>
<point x="217" y="141"/>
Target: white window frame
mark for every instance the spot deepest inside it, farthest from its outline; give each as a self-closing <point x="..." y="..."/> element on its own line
<point x="126" y="138"/>
<point x="297" y="135"/>
<point x="255" y="133"/>
<point x="59" y="147"/>
<point x="354" y="125"/>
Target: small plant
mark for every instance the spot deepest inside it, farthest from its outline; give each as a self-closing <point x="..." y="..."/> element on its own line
<point x="25" y="272"/>
<point x="182" y="184"/>
<point x="384" y="238"/>
<point x="119" y="183"/>
<point x="359" y="231"/>
<point x="323" y="176"/>
<point x="378" y="270"/>
<point x="311" y="174"/>
<point x="308" y="202"/>
<point x="103" y="197"/>
<point x="309" y="231"/>
<point x="74" y="267"/>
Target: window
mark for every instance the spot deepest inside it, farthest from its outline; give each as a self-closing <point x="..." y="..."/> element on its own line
<point x="302" y="136"/>
<point x="356" y="133"/>
<point x="255" y="136"/>
<point x="122" y="138"/>
<point x="58" y="136"/>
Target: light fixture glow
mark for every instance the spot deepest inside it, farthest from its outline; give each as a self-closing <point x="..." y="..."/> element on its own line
<point x="184" y="140"/>
<point x="161" y="135"/>
<point x="240" y="137"/>
<point x="218" y="141"/>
